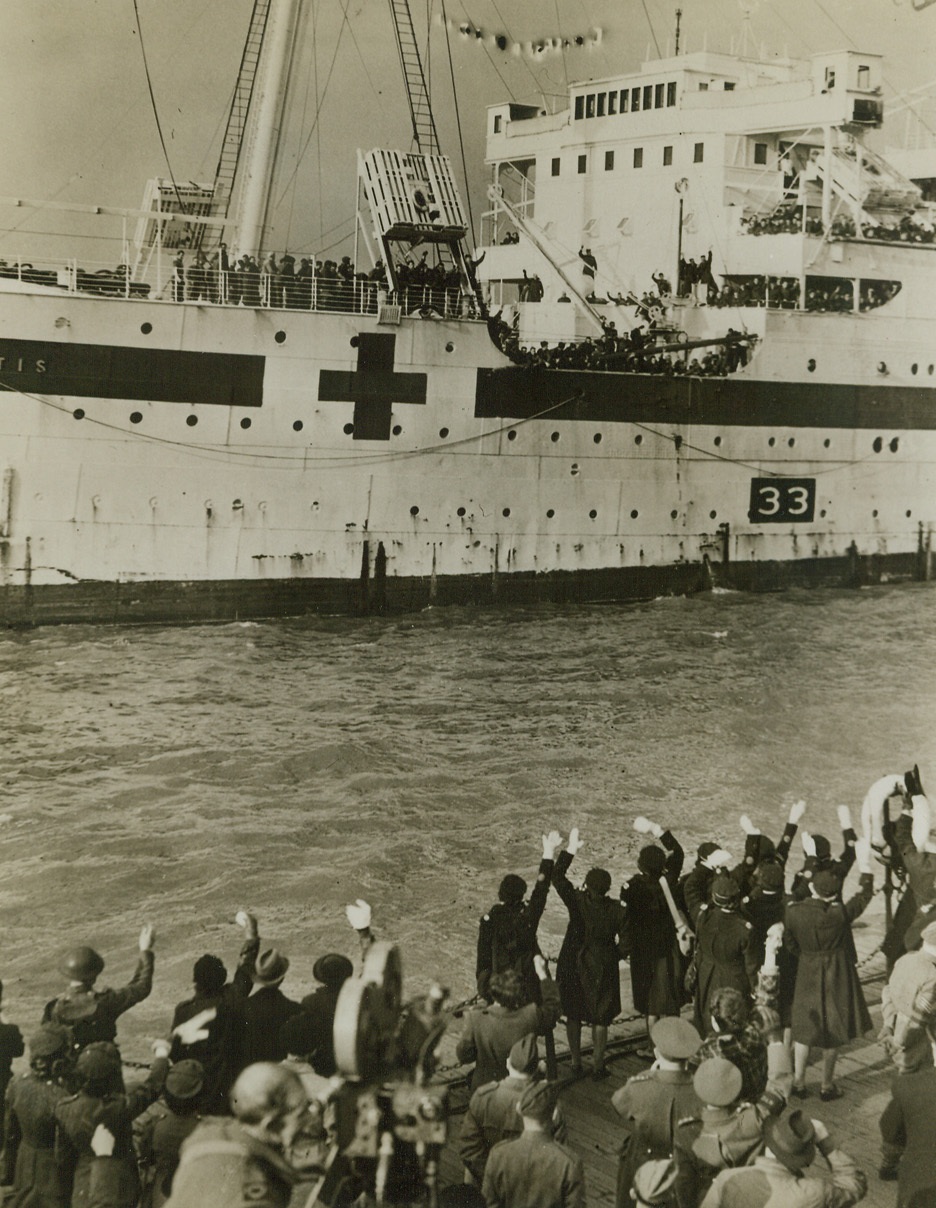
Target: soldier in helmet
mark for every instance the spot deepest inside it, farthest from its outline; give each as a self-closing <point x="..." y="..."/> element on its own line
<point x="102" y="1099"/>
<point x="91" y="1014"/>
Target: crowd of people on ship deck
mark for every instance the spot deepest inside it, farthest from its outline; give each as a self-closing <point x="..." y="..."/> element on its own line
<point x="246" y="1101"/>
<point x="787" y="219"/>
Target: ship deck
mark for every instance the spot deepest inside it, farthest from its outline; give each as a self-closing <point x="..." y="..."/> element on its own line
<point x="863" y="1072"/>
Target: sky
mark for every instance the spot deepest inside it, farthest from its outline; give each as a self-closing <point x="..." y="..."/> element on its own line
<point x="80" y="125"/>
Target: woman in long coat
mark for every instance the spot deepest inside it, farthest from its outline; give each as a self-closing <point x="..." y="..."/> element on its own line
<point x="725" y="952"/>
<point x="828" y="1006"/>
<point x="656" y="964"/>
<point x="587" y="970"/>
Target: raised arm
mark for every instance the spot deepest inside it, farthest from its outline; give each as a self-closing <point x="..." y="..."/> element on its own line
<point x="537" y="904"/>
<point x="563" y="885"/>
<point x="789" y="831"/>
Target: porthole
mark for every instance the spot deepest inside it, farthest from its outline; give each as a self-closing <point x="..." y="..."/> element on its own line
<point x="191" y="420"/>
<point x="414" y="510"/>
<point x="929" y="370"/>
<point x="811" y="365"/>
<point x="348" y="429"/>
<point x="712" y="515"/>
<point x="914" y="368"/>
<point x="136" y="417"/>
<point x="673" y="514"/>
<point x="78" y="413"/>
<point x="443" y="432"/>
<point x="826" y="443"/>
<point x="280" y="337"/>
<point x="554" y="437"/>
<point x="677" y="441"/>
<point x="506" y="512"/>
<point x="550" y="512"/>
<point x="638" y="439"/>
<point x="460" y="512"/>
<point x="146" y="328"/>
<point x="635" y="514"/>
<point x="882" y="367"/>
<point x="597" y="438"/>
<point x="878" y="444"/>
<point x="772" y="441"/>
<point x="511" y="435"/>
<point x="593" y="514"/>
<point x="450" y="347"/>
<point x="246" y="422"/>
<point x="717" y="442"/>
<point x="791" y="442"/>
<point x="909" y="513"/>
<point x="396" y="429"/>
<point x="822" y="514"/>
<point x="353" y="341"/>
<point x="297" y="425"/>
<point x="894" y="445"/>
<point x="874" y="513"/>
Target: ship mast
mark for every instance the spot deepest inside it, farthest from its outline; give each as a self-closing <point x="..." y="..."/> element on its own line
<point x="266" y="123"/>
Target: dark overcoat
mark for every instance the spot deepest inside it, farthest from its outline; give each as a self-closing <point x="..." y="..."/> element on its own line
<point x="29" y="1156"/>
<point x="725" y="956"/>
<point x="507" y="937"/>
<point x="656" y="963"/>
<point x="828" y="1005"/>
<point x="587" y="970"/>
<point x="909" y="1123"/>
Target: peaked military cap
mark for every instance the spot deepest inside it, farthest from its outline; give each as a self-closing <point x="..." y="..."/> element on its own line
<point x="524" y="1056"/>
<point x="717" y="1082"/>
<point x="676" y="1038"/>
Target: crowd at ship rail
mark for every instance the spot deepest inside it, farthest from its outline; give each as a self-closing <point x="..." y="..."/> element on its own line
<point x="788" y="219"/>
<point x="740" y="970"/>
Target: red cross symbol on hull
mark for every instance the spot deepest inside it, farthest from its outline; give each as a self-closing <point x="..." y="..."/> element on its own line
<point x="373" y="387"/>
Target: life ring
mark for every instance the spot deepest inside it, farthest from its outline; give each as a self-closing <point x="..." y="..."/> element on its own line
<point x="420" y="201"/>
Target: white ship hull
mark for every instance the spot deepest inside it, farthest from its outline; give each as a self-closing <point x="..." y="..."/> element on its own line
<point x="505" y="485"/>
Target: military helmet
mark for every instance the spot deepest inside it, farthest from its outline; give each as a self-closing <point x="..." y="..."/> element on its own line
<point x="82" y="964"/>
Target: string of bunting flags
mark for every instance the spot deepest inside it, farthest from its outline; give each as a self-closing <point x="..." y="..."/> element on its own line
<point x="528" y="47"/>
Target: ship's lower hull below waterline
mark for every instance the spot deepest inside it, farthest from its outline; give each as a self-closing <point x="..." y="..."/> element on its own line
<point x="224" y="600"/>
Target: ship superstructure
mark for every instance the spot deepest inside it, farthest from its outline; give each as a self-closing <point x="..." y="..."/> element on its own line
<point x="698" y="350"/>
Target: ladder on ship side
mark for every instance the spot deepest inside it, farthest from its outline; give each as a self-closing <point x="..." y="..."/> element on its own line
<point x="417" y="93"/>
<point x="233" y="142"/>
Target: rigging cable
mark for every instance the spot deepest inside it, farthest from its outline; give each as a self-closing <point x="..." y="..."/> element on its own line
<point x="461" y="141"/>
<point x="149" y="84"/>
<point x="656" y="44"/>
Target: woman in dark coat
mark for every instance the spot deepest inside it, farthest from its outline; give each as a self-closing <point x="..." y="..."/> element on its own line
<point x="29" y="1156"/>
<point x="587" y="970"/>
<point x="656" y="964"/>
<point x="725" y="953"/>
<point x="828" y="1005"/>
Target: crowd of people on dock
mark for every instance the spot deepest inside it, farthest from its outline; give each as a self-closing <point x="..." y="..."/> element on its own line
<point x="252" y="1096"/>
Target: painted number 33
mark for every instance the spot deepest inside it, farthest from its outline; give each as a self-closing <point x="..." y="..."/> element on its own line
<point x="782" y="500"/>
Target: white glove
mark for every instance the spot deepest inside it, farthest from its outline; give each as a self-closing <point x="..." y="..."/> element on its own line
<point x="808" y="842"/>
<point x="575" y="844"/>
<point x="718" y="859"/>
<point x="748" y="826"/>
<point x="822" y="1133"/>
<point x="551" y="844"/>
<point x="195" y="1029"/>
<point x="845" y="818"/>
<point x="863" y="855"/>
<point x="245" y="919"/>
<point x="775" y="935"/>
<point x="359" y="915"/>
<point x="796" y="812"/>
<point x="103" y="1142"/>
<point x="539" y="964"/>
<point x="147" y="937"/>
<point x="160" y="1048"/>
<point x="642" y="825"/>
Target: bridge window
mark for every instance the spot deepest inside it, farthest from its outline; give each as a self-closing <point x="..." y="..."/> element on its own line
<point x="625" y="97"/>
<point x="648" y="96"/>
<point x="582" y="164"/>
<point x="658" y="96"/>
<point x="590" y="105"/>
<point x="609" y="161"/>
<point x="635" y="99"/>
<point x="667" y="156"/>
<point x="698" y="153"/>
<point x="497" y="123"/>
<point x="864" y="78"/>
<point x="760" y="153"/>
<point x="612" y="103"/>
<point x="555" y="167"/>
<point x="638" y="157"/>
<point x="671" y="93"/>
<point x="579" y="108"/>
<point x="602" y="97"/>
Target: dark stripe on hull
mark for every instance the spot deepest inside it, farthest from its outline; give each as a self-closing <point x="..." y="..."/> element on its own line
<point x="159" y="375"/>
<point x="517" y="393"/>
<point x="233" y="599"/>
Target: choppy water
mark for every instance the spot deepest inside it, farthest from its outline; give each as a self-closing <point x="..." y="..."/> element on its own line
<point x="177" y="774"/>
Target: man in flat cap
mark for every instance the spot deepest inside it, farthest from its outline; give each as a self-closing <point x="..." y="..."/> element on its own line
<point x="777" y="1176"/>
<point x="492" y="1114"/>
<point x="726" y="1131"/>
<point x="534" y="1171"/>
<point x="649" y="1104"/>
<point x="828" y="1003"/>
<point x="507" y="932"/>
